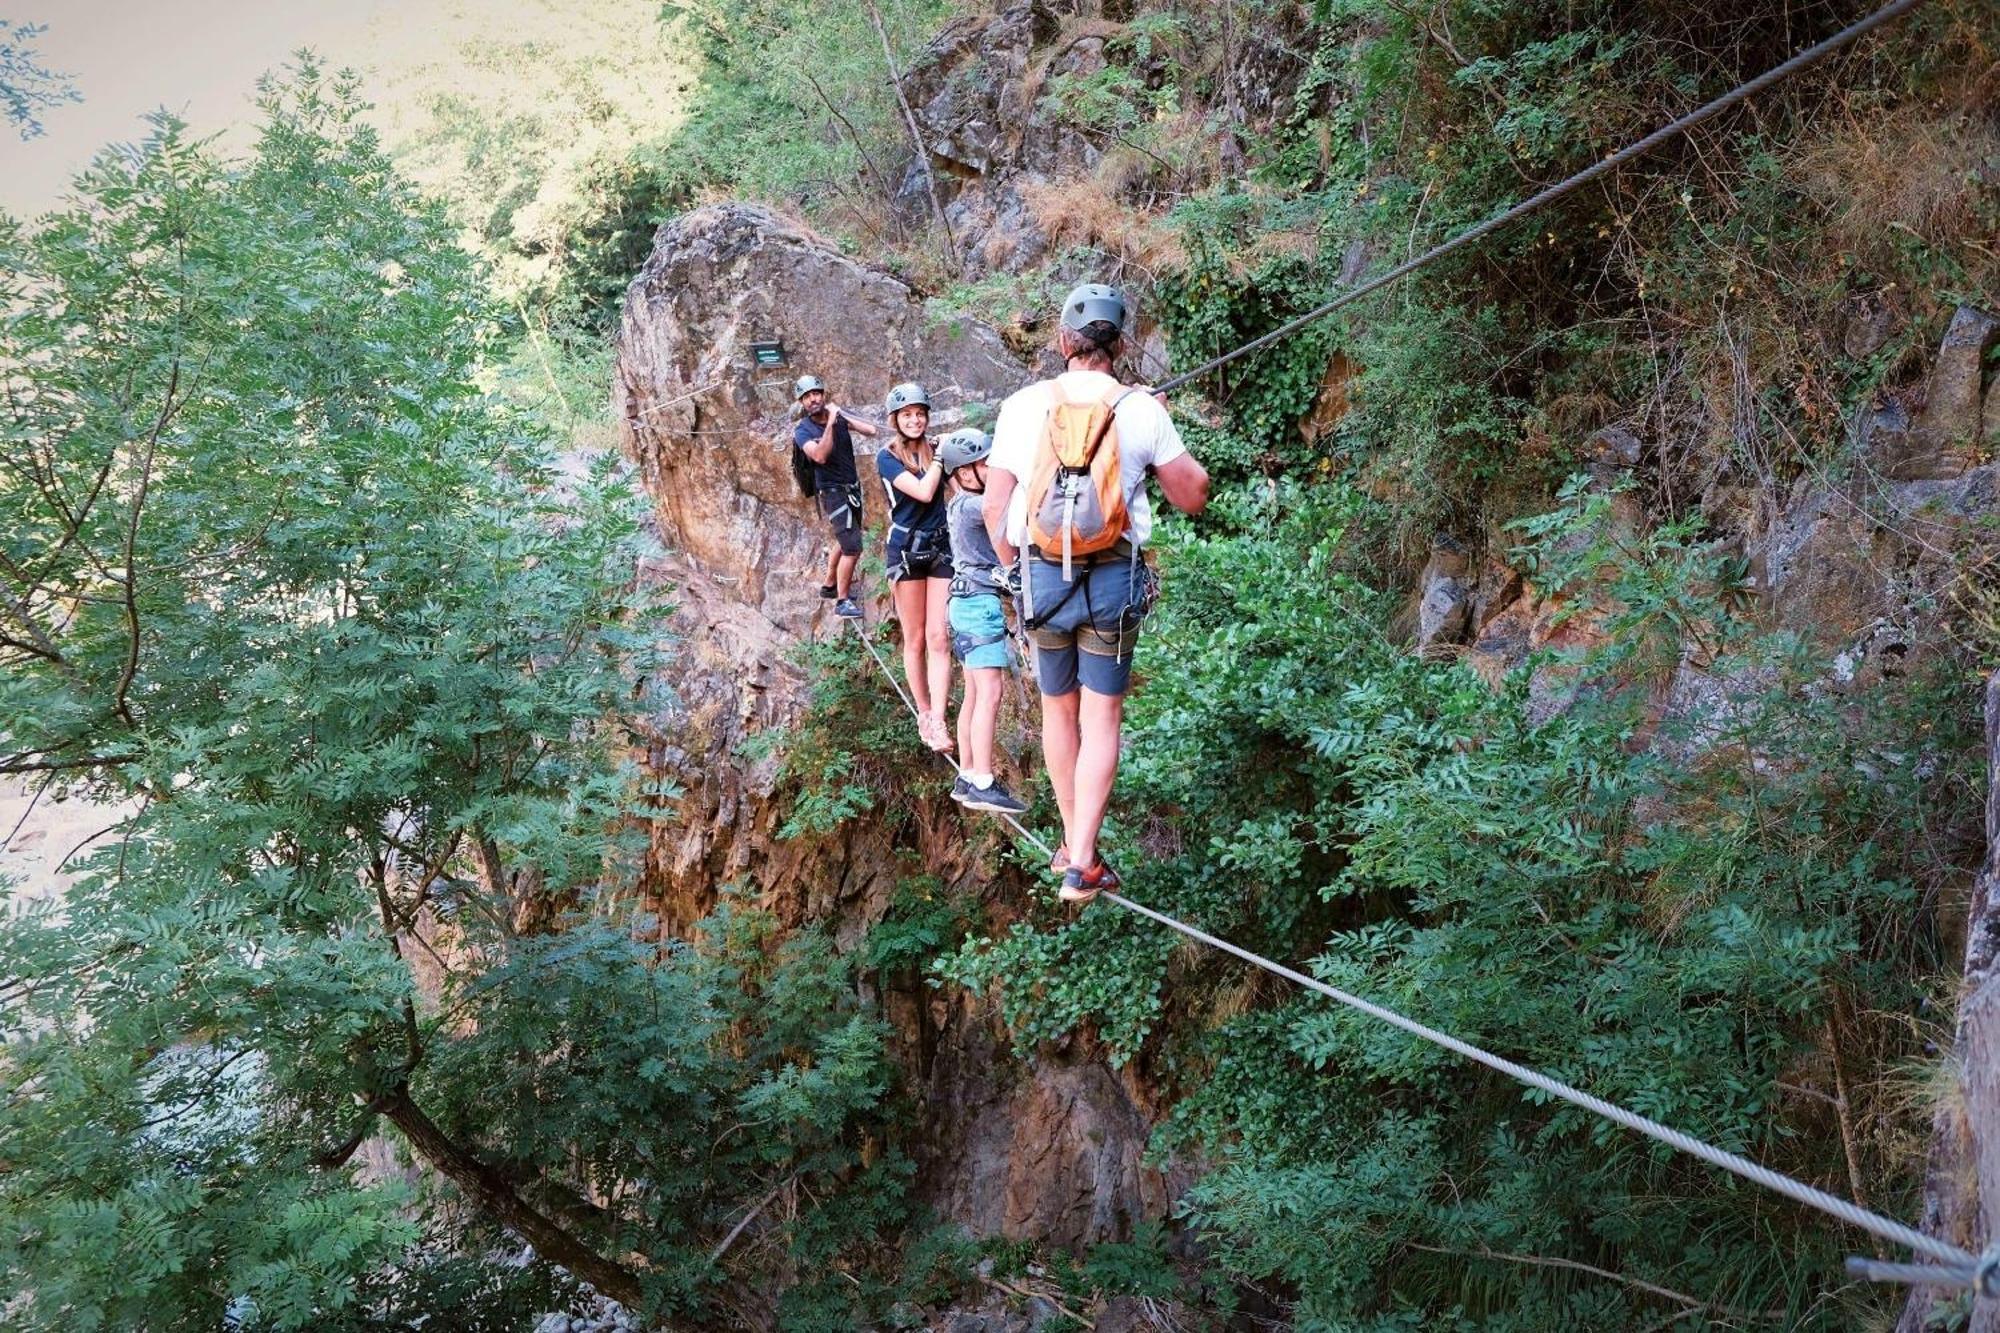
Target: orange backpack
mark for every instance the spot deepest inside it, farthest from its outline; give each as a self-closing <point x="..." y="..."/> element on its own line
<point x="1076" y="497"/>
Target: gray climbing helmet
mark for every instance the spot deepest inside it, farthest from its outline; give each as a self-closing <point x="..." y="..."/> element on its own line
<point x="806" y="384"/>
<point x="908" y="394"/>
<point x="1091" y="302"/>
<point x="963" y="448"/>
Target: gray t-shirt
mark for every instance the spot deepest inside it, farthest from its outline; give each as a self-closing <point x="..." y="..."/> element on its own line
<point x="972" y="552"/>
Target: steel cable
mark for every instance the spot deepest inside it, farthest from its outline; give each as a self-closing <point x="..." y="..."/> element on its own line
<point x="1957" y="1267"/>
<point x="1812" y="55"/>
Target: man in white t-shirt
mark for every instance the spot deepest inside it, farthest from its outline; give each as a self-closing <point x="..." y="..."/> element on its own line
<point x="1084" y="626"/>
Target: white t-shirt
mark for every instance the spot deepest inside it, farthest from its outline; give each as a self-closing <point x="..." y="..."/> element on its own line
<point x="1146" y="438"/>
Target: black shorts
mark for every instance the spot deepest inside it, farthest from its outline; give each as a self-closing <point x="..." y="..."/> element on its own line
<point x="841" y="508"/>
<point x="919" y="558"/>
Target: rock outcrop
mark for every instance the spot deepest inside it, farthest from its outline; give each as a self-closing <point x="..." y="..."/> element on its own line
<point x="710" y="433"/>
<point x="1962" y="1184"/>
<point x="710" y="430"/>
<point x="987" y="95"/>
<point x="976" y="93"/>
<point x="1049" y="1150"/>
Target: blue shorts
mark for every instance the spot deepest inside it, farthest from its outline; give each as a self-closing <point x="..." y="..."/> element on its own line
<point x="979" y="617"/>
<point x="1084" y="632"/>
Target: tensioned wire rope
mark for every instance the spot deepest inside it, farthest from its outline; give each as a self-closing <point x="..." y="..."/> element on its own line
<point x="1812" y="55"/>
<point x="1955" y="1267"/>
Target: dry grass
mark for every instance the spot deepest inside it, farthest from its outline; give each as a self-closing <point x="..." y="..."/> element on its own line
<point x="1089" y="212"/>
<point x="1914" y="173"/>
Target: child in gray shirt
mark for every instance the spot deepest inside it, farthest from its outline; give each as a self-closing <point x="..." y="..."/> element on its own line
<point x="978" y="618"/>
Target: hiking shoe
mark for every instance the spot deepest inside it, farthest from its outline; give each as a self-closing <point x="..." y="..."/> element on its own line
<point x="995" y="798"/>
<point x="1080" y="886"/>
<point x="962" y="790"/>
<point x="935" y="733"/>
<point x="828" y="592"/>
<point x="847" y="609"/>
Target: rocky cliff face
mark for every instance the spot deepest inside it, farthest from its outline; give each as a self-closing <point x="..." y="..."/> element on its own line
<point x="1048" y="1149"/>
<point x="1857" y="565"/>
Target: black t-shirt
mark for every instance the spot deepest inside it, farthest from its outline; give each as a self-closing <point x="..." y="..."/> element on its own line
<point x="908" y="512"/>
<point x="838" y="469"/>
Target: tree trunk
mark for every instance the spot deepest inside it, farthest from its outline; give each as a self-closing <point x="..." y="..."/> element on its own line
<point x="916" y="136"/>
<point x="1962" y="1183"/>
<point x="494" y="1195"/>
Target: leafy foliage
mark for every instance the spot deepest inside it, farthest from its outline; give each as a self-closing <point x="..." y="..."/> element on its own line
<point x="28" y="88"/>
<point x="344" y="647"/>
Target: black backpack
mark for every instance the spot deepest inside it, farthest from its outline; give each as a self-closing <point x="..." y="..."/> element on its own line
<point x="803" y="474"/>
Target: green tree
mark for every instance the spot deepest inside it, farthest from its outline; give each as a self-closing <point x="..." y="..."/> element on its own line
<point x="350" y="647"/>
<point x="27" y="86"/>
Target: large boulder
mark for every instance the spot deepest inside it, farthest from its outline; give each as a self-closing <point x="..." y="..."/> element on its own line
<point x="710" y="430"/>
<point x="1050" y="1150"/>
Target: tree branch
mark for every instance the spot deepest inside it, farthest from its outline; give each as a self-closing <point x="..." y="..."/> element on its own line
<point x="916" y="136"/>
<point x="130" y="673"/>
<point x="748" y="1218"/>
<point x="491" y="1192"/>
<point x="1547" y="1261"/>
<point x="18" y="764"/>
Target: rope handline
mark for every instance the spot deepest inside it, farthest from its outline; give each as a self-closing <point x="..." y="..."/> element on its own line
<point x="1812" y="55"/>
<point x="1956" y="1268"/>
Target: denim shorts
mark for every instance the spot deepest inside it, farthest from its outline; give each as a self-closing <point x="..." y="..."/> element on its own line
<point x="979" y="616"/>
<point x="1086" y="630"/>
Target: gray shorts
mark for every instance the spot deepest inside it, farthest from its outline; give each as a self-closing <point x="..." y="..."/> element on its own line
<point x="1085" y="631"/>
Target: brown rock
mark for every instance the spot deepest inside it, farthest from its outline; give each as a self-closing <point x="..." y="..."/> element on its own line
<point x="1332" y="404"/>
<point x="711" y="433"/>
<point x="1054" y="1151"/>
<point x="1944" y="441"/>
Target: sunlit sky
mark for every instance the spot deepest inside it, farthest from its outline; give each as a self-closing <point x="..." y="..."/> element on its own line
<point x="200" y="59"/>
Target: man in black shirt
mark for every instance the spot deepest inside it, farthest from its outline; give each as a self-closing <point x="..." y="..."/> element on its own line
<point x="824" y="433"/>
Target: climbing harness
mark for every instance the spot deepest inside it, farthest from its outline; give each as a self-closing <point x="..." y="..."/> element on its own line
<point x="1953" y="1267"/>
<point x="1142" y="589"/>
<point x="849" y="496"/>
<point x="915" y="546"/>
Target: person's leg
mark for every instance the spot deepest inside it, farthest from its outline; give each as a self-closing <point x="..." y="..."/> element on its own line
<point x="937" y="642"/>
<point x="910" y="603"/>
<point x="843" y="572"/>
<point x="1059" y="754"/>
<point x="1099" y="718"/>
<point x="982" y="701"/>
<point x="967" y="748"/>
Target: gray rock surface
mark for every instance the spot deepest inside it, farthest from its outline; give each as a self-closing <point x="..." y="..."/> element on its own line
<point x="1945" y="437"/>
